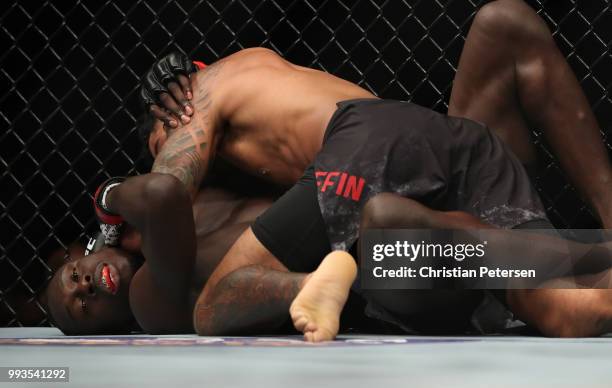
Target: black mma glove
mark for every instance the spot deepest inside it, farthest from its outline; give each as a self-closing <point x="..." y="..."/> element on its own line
<point x="166" y="89"/>
<point x="162" y="73"/>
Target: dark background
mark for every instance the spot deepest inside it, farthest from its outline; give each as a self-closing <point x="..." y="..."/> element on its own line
<point x="70" y="72"/>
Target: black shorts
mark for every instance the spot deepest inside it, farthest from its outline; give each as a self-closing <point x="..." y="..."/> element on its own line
<point x="293" y="228"/>
<point x="373" y="146"/>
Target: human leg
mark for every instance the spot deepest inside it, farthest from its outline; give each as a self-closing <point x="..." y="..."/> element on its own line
<point x="583" y="308"/>
<point x="511" y="76"/>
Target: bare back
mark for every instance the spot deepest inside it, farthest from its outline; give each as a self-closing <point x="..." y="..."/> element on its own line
<point x="271" y="115"/>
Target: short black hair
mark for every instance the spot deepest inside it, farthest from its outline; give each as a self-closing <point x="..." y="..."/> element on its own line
<point x="144" y="127"/>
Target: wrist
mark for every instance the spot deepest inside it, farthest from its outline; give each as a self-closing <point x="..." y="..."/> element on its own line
<point x="110" y="202"/>
<point x="102" y="202"/>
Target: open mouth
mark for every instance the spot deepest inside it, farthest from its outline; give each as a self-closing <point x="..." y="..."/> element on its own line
<point x="108" y="278"/>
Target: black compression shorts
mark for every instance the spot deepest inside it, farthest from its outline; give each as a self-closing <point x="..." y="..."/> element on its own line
<point x="293" y="229"/>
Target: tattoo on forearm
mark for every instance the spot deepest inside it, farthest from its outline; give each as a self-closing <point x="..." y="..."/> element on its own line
<point x="253" y="298"/>
<point x="183" y="155"/>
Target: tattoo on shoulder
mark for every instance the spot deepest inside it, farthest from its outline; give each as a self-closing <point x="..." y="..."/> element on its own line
<point x="206" y="83"/>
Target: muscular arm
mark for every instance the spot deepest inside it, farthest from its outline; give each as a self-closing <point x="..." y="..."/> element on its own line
<point x="188" y="151"/>
<point x="185" y="156"/>
<point x="250" y="290"/>
<point x="159" y="207"/>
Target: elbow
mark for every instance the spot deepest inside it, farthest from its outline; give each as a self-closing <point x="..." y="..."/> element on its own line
<point x="164" y="191"/>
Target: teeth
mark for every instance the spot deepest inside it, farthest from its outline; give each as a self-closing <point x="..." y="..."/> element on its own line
<point x="104" y="275"/>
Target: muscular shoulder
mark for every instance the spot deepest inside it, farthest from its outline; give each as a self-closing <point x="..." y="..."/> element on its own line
<point x="239" y="77"/>
<point x="256" y="57"/>
<point x="232" y="66"/>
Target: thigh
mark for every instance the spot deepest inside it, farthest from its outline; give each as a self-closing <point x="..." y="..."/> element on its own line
<point x="485" y="90"/>
<point x="293" y="230"/>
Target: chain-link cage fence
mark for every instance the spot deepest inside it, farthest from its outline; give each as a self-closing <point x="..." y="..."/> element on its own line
<point x="71" y="69"/>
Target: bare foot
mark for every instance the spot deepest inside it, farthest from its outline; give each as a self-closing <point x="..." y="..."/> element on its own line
<point x="316" y="309"/>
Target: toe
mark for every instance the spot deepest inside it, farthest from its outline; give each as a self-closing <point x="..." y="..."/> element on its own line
<point x="322" y="335"/>
<point x="309" y="336"/>
<point x="300" y="323"/>
<point x="311" y="326"/>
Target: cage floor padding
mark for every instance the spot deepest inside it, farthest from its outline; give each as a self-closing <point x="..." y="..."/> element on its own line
<point x="219" y="341"/>
<point x="192" y="340"/>
<point x="351" y="361"/>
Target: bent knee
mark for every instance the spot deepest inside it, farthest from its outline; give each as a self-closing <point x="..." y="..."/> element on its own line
<point x="387" y="210"/>
<point x="511" y="19"/>
<point x="377" y="211"/>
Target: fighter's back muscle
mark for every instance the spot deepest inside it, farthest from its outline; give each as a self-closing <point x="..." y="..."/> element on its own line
<point x="274" y="113"/>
